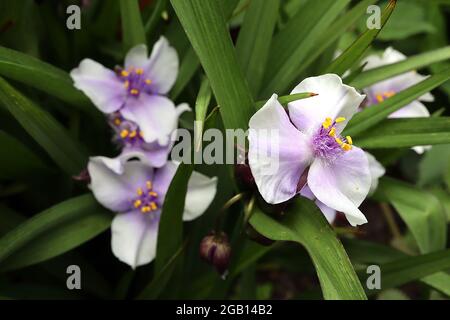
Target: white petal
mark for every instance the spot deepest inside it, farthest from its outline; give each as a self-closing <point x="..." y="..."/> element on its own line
<point x="137" y="57"/>
<point x="100" y="84"/>
<point x="163" y="66"/>
<point x="133" y="237"/>
<point x="200" y="194"/>
<point x="278" y="152"/>
<point x="156" y="116"/>
<point x="343" y="184"/>
<point x="376" y="171"/>
<point x="183" y="107"/>
<point x="413" y="110"/>
<point x="329" y="213"/>
<point x="334" y="99"/>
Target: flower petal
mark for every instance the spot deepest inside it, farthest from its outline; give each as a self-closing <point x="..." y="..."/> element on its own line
<point x="278" y="152"/>
<point x="334" y="99"/>
<point x="114" y="181"/>
<point x="343" y="184"/>
<point x="162" y="67"/>
<point x="152" y="154"/>
<point x="413" y="110"/>
<point x="100" y="84"/>
<point x="201" y="192"/>
<point x="137" y="57"/>
<point x="134" y="236"/>
<point x="376" y="171"/>
<point x="156" y="116"/>
<point x="329" y="213"/>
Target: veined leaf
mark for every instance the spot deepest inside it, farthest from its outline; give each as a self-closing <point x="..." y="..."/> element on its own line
<point x="42" y="76"/>
<point x="206" y="29"/>
<point x="132" y="26"/>
<point x="353" y="53"/>
<point x="407" y="132"/>
<point x="306" y="225"/>
<point x="420" y="210"/>
<point x="254" y="40"/>
<point x="53" y="232"/>
<point x="44" y="129"/>
<point x="291" y="45"/>
<point x="376" y="113"/>
<point x="369" y="77"/>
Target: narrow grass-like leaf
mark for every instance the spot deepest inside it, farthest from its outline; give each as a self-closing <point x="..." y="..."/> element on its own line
<point x="369" y="77"/>
<point x="420" y="210"/>
<point x="44" y="129"/>
<point x="201" y="108"/>
<point x="17" y="160"/>
<point x="155" y="17"/>
<point x="188" y="67"/>
<point x="306" y="225"/>
<point x="398" y="133"/>
<point x="255" y="35"/>
<point x="132" y="27"/>
<point x="42" y="76"/>
<point x="376" y="113"/>
<point x="206" y="29"/>
<point x="284" y="100"/>
<point x="356" y="50"/>
<point x="53" y="232"/>
<point x="291" y="45"/>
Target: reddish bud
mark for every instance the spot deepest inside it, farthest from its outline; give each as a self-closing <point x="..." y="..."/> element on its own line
<point x="215" y="249"/>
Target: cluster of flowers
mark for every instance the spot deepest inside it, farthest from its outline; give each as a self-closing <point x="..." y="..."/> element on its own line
<point x="143" y="119"/>
<point x="315" y="161"/>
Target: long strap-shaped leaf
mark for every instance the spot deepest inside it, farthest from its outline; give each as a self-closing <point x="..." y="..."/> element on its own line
<point x="132" y="26"/>
<point x="44" y="129"/>
<point x="353" y="53"/>
<point x="206" y="29"/>
<point x="306" y="225"/>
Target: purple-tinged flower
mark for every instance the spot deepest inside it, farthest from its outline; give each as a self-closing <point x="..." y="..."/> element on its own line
<point x="309" y="148"/>
<point x="136" y="191"/>
<point x="137" y="90"/>
<point x="216" y="250"/>
<point x="382" y="90"/>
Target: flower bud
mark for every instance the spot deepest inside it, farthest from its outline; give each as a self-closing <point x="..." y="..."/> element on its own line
<point x="215" y="249"/>
<point x="83" y="176"/>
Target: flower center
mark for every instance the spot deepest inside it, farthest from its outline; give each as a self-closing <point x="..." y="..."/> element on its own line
<point x="147" y="199"/>
<point x="327" y="143"/>
<point x="380" y="97"/>
<point x="134" y="80"/>
<point x="127" y="132"/>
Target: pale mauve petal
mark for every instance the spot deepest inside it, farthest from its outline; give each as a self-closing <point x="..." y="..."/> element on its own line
<point x="100" y="84"/>
<point x="137" y="57"/>
<point x="134" y="236"/>
<point x="343" y="184"/>
<point x="278" y="153"/>
<point x="329" y="213"/>
<point x="201" y="192"/>
<point x="413" y="110"/>
<point x="376" y="171"/>
<point x="334" y="99"/>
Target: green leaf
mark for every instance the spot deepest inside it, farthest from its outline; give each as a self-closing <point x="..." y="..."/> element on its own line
<point x="155" y="17"/>
<point x="420" y="210"/>
<point x="292" y="45"/>
<point x="434" y="164"/>
<point x="188" y="67"/>
<point x="356" y="50"/>
<point x="206" y="29"/>
<point x="284" y="100"/>
<point x="201" y="108"/>
<point x="306" y="225"/>
<point x="44" y="129"/>
<point x="53" y="232"/>
<point x="255" y="35"/>
<point x="369" y="77"/>
<point x="132" y="28"/>
<point x="376" y="113"/>
<point x="407" y="132"/>
<point x="42" y="76"/>
<point x="250" y="253"/>
<point x="18" y="161"/>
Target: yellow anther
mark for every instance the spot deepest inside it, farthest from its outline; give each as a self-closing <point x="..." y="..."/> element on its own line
<point x="133" y="134"/>
<point x="389" y="94"/>
<point x="340" y="119"/>
<point x="134" y="91"/>
<point x="140" y="192"/>
<point x="145" y="209"/>
<point x="124" y="133"/>
<point x="141" y="134"/>
<point x="148" y="81"/>
<point x="137" y="203"/>
<point x="327" y="123"/>
<point x="332" y="132"/>
<point x="346" y="147"/>
<point x="153" y="206"/>
<point x="349" y="140"/>
<point x="139" y="71"/>
<point x="117" y="121"/>
<point x="124" y="73"/>
<point x="148" y="184"/>
<point x="379" y="97"/>
<point x="339" y="141"/>
<point x="153" y="194"/>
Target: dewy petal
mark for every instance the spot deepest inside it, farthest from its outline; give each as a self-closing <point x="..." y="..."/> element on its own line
<point x="376" y="171"/>
<point x="100" y="84"/>
<point x="278" y="153"/>
<point x="343" y="184"/>
<point x="114" y="181"/>
<point x="162" y="67"/>
<point x="155" y="115"/>
<point x="134" y="236"/>
<point x="137" y="57"/>
<point x="334" y="99"/>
